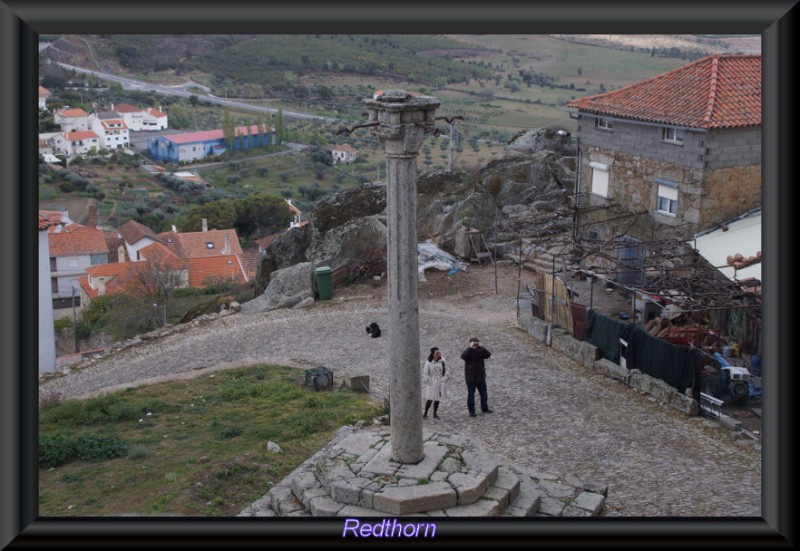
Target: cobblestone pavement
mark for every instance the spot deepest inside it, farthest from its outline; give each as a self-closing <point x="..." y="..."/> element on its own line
<point x="550" y="414"/>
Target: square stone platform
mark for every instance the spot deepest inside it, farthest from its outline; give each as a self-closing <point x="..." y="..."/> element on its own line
<point x="354" y="476"/>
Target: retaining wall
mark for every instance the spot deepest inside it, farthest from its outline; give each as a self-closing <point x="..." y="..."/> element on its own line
<point x="588" y="355"/>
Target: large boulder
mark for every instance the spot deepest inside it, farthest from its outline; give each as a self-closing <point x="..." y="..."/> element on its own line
<point x="287" y="287"/>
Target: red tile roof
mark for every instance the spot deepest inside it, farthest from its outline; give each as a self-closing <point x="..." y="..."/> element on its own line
<point x="128" y="277"/>
<point x="45" y="222"/>
<point x="251" y="260"/>
<point x="206" y="271"/>
<point x="343" y="147"/>
<point x="132" y="232"/>
<point x="125" y="108"/>
<point x="113" y="124"/>
<point x="114" y="242"/>
<point x="264" y="242"/>
<point x="195" y="244"/>
<point x="206" y="135"/>
<point x="162" y="256"/>
<point x="718" y="91"/>
<point x="82" y="135"/>
<point x="54" y="216"/>
<point x="78" y="242"/>
<point x="76" y="112"/>
<point x="155" y="112"/>
<point x="43" y="92"/>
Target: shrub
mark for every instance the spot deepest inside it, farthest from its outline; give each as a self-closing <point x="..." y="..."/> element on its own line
<point x="55" y="449"/>
<point x="98" y="447"/>
<point x="62" y="323"/>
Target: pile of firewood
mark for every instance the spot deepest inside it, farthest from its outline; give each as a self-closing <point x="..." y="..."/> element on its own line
<point x="662" y="328"/>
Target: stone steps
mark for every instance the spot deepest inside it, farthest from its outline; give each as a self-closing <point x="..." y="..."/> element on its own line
<point x="354" y="476"/>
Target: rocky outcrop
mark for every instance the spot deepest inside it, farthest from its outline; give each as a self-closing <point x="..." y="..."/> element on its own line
<point x="287" y="288"/>
<point x="530" y="189"/>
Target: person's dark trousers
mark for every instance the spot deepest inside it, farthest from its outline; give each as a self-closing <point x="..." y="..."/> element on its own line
<point x="481" y="386"/>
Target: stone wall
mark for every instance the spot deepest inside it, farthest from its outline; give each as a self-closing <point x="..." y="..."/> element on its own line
<point x="705" y="197"/>
<point x="588" y="355"/>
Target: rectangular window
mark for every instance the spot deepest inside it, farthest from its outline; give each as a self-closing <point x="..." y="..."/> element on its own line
<point x="53" y="267"/>
<point x="101" y="258"/>
<point x="672" y="134"/>
<point x="54" y="285"/>
<point x="667" y="201"/>
<point x="599" y="179"/>
<point x="604" y="123"/>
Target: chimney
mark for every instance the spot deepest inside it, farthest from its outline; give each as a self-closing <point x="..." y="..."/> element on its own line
<point x="227" y="248"/>
<point x="92" y="223"/>
<point x="205" y="224"/>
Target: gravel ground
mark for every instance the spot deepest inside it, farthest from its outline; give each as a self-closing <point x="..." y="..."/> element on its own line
<point x="550" y="414"/>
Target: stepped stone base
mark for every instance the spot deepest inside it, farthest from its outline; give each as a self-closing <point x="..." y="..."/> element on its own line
<point x="354" y="476"/>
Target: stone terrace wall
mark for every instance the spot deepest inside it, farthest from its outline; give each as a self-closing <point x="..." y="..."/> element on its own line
<point x="588" y="355"/>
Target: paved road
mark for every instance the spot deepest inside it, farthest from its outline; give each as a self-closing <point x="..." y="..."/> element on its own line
<point x="550" y="414"/>
<point x="181" y="90"/>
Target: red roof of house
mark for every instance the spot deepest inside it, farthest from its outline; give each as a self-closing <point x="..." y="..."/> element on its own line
<point x="113" y="124"/>
<point x="195" y="244"/>
<point x="251" y="260"/>
<point x="76" y="112"/>
<point x="132" y="231"/>
<point x="206" y="135"/>
<point x="125" y="108"/>
<point x="162" y="256"/>
<point x="54" y="216"/>
<point x="45" y="222"/>
<point x="155" y="112"/>
<point x="43" y="92"/>
<point x="125" y="277"/>
<point x="718" y="91"/>
<point x="206" y="271"/>
<point x="78" y="242"/>
<point x="347" y="148"/>
<point x="81" y="135"/>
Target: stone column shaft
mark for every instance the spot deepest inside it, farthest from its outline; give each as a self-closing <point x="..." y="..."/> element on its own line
<point x="400" y="122"/>
<point x="404" y="359"/>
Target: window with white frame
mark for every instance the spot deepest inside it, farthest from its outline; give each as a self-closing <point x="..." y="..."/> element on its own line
<point x="672" y="134"/>
<point x="599" y="179"/>
<point x="604" y="123"/>
<point x="667" y="200"/>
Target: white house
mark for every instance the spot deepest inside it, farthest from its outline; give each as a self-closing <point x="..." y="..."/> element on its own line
<point x="72" y="119"/>
<point x="343" y="153"/>
<point x="71" y="251"/>
<point x="47" y="337"/>
<point x="113" y="133"/>
<point x="77" y="143"/>
<point x="44" y="93"/>
<point x="139" y="119"/>
<point x="136" y="237"/>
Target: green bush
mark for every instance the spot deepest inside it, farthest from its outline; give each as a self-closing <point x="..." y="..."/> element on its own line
<point x="62" y="323"/>
<point x="55" y="449"/>
<point x="98" y="447"/>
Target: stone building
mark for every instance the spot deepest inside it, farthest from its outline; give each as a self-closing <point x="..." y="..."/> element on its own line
<point x="672" y="155"/>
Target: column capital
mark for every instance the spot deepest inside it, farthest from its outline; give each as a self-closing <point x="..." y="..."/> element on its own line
<point x="401" y="120"/>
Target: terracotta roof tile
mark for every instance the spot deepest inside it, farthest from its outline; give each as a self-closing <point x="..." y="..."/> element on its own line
<point x="132" y="232"/>
<point x="162" y="256"/>
<point x="125" y="108"/>
<point x="155" y="112"/>
<point x="43" y="92"/>
<point x="78" y="242"/>
<point x="206" y="271"/>
<point x="81" y="135"/>
<point x="718" y="91"/>
<point x="195" y="244"/>
<point x="76" y="112"/>
<point x="343" y="147"/>
<point x="251" y="260"/>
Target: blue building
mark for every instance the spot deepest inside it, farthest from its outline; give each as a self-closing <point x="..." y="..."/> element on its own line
<point x="193" y="146"/>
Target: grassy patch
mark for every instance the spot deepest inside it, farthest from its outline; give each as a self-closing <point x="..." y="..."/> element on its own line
<point x="192" y="447"/>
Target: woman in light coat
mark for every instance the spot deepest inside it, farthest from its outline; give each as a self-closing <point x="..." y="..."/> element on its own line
<point x="434" y="377"/>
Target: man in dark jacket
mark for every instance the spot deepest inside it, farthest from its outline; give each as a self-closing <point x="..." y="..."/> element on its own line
<point x="475" y="375"/>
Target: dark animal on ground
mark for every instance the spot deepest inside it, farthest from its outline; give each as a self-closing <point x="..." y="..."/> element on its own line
<point x="373" y="330"/>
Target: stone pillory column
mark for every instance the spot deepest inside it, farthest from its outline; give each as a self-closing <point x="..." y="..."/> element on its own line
<point x="400" y="121"/>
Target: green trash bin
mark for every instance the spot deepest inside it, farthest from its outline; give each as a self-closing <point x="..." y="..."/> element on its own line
<point x="324" y="282"/>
